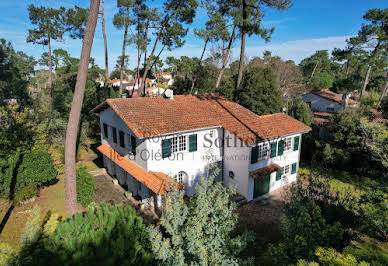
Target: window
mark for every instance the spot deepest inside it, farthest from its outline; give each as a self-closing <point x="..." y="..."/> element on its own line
<point x="122" y="142"/>
<point x="105" y="127"/>
<point x="330" y="109"/>
<point x="263" y="151"/>
<point x="114" y="133"/>
<point x="231" y="174"/>
<point x="178" y="144"/>
<point x="286" y="170"/>
<point x="181" y="177"/>
<point x="287" y="144"/>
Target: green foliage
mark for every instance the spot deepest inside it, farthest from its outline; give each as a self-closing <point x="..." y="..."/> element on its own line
<point x="301" y="111"/>
<point x="370" y="100"/>
<point x="33" y="228"/>
<point x="304" y="229"/>
<point x="25" y="193"/>
<point x="321" y="81"/>
<point x="7" y="254"/>
<point x="104" y="234"/>
<point x="36" y="169"/>
<point x="259" y="93"/>
<point x="8" y="171"/>
<point x="330" y="257"/>
<point x="369" y="250"/>
<point x="202" y="231"/>
<point x="85" y="186"/>
<point x="384" y="107"/>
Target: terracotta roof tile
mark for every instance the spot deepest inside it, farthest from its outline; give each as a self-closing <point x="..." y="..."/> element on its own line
<point x="332" y="96"/>
<point x="154" y="116"/>
<point x="158" y="182"/>
<point x="265" y="170"/>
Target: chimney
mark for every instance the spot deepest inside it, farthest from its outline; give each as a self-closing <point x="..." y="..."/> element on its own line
<point x="345" y="100"/>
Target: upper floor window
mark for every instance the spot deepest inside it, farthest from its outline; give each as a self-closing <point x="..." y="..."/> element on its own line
<point x="178" y="143"/>
<point x="259" y="152"/>
<point x="114" y="134"/>
<point x="287" y="144"/>
<point x="330" y="109"/>
<point x="105" y="128"/>
<point x="122" y="137"/>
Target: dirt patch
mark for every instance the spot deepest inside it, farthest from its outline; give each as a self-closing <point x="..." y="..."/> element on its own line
<point x="264" y="219"/>
<point x="113" y="194"/>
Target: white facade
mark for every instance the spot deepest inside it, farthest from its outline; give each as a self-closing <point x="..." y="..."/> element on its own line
<point x="320" y="104"/>
<point x="233" y="159"/>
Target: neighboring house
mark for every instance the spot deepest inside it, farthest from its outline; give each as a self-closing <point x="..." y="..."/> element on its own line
<point x="328" y="101"/>
<point x="164" y="141"/>
<point x="137" y="83"/>
<point x="163" y="75"/>
<point x="114" y="82"/>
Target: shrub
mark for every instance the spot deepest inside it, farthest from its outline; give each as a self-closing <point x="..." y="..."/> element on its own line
<point x="8" y="169"/>
<point x="331" y="257"/>
<point x="7" y="254"/>
<point x="103" y="235"/>
<point x="85" y="186"/>
<point x="25" y="193"/>
<point x="37" y="169"/>
<point x="370" y="100"/>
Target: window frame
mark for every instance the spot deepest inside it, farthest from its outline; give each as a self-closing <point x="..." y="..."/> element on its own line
<point x="179" y="143"/>
<point x="262" y="153"/>
<point x="287" y="144"/>
<point x="105" y="130"/>
<point x="114" y="134"/>
<point x="121" y="139"/>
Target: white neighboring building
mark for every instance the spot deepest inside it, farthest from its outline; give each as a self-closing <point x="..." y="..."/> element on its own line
<point x="328" y="101"/>
<point x="161" y="139"/>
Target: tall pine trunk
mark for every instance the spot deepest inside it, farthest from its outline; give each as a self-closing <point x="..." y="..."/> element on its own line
<point x="225" y="58"/>
<point x="384" y="93"/>
<point x="242" y="49"/>
<point x="123" y="54"/>
<point x="75" y="111"/>
<point x="106" y="92"/>
<point x="147" y="66"/>
<point x="199" y="65"/>
<point x="50" y="80"/>
<point x="366" y="81"/>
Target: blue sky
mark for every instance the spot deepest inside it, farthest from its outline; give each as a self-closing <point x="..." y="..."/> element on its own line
<point x="308" y="26"/>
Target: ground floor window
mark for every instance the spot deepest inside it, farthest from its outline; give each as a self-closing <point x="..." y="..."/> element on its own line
<point x="181" y="177"/>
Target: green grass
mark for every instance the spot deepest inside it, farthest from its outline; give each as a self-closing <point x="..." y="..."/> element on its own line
<point x="369" y="250"/>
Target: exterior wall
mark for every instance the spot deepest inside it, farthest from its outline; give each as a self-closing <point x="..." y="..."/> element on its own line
<point x="321" y="104"/>
<point x="236" y="160"/>
<point x="288" y="158"/>
<point x="195" y="164"/>
<point x="110" y="118"/>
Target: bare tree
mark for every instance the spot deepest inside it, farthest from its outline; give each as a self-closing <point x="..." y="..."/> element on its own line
<point x="75" y="111"/>
<point x="102" y="12"/>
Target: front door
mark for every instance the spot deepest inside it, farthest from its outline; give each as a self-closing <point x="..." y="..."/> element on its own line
<point x="261" y="186"/>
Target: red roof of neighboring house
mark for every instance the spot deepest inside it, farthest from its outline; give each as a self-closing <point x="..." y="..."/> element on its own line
<point x="332" y="96"/>
<point x="320" y="118"/>
<point x="114" y="80"/>
<point x="158" y="182"/>
<point x="154" y="116"/>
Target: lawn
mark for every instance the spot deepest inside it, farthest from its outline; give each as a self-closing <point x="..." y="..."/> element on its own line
<point x="50" y="199"/>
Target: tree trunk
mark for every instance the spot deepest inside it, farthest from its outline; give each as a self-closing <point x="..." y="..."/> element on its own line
<point x="225" y="58"/>
<point x="157" y="57"/>
<point x="75" y="112"/>
<point x="123" y="55"/>
<point x="242" y="50"/>
<point x="199" y="65"/>
<point x="365" y="82"/>
<point x="384" y="93"/>
<point x="106" y="51"/>
<point x="347" y="68"/>
<point x="50" y="80"/>
<point x="147" y="66"/>
<point x="315" y="68"/>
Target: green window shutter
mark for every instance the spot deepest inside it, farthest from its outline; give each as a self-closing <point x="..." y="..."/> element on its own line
<point x="114" y="134"/>
<point x="193" y="142"/>
<point x="281" y="147"/>
<point x="279" y="175"/>
<point x="121" y="135"/>
<point x="254" y="154"/>
<point x="166" y="148"/>
<point x="296" y="143"/>
<point x="273" y="149"/>
<point x="105" y="126"/>
<point x="133" y="144"/>
<point x="293" y="168"/>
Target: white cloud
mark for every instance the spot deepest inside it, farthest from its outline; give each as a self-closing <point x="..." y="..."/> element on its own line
<point x="298" y="49"/>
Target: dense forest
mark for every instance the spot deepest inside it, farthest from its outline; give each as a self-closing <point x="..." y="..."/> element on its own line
<point x="336" y="214"/>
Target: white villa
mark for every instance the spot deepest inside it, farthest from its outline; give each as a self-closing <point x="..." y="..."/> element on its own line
<point x="149" y="143"/>
<point x="328" y="101"/>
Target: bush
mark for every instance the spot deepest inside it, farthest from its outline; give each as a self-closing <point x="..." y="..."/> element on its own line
<point x="25" y="193"/>
<point x="331" y="257"/>
<point x="8" y="169"/>
<point x="104" y="235"/>
<point x="370" y="100"/>
<point x="37" y="169"/>
<point x="85" y="186"/>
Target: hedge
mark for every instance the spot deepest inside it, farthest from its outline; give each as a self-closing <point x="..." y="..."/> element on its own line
<point x="85" y="186"/>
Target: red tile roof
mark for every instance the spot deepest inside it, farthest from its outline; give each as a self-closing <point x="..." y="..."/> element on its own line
<point x="321" y="118"/>
<point x="158" y="182"/>
<point x="113" y="81"/>
<point x="332" y="96"/>
<point x="265" y="170"/>
<point x="154" y="116"/>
